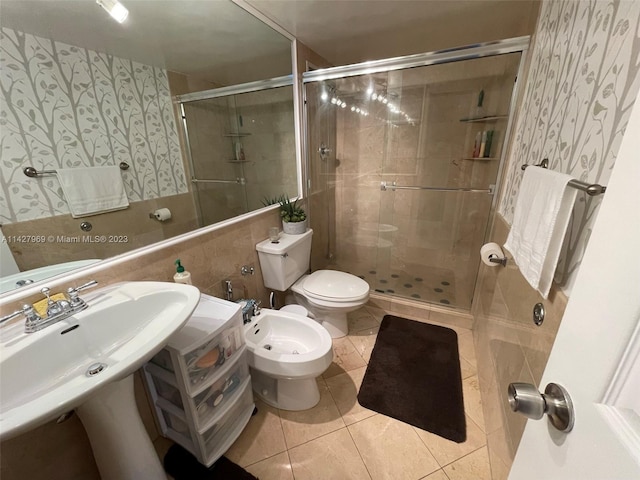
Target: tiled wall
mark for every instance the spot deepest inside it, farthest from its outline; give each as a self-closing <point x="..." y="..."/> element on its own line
<point x="62" y="451"/>
<point x="582" y="78"/>
<point x="124" y="230"/>
<point x="65" y="106"/>
<point x="321" y="202"/>
<point x="509" y="347"/>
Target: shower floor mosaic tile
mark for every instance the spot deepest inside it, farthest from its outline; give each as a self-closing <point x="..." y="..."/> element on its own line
<point x="435" y="286"/>
<point x="340" y="440"/>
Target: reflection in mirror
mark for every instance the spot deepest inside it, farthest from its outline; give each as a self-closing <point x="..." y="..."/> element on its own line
<point x="241" y="149"/>
<point x="79" y="90"/>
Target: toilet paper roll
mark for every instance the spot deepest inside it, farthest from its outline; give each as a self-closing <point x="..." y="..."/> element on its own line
<point x="491" y="250"/>
<point x="162" y="214"/>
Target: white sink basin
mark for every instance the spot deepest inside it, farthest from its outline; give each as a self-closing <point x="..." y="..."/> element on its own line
<point x="44" y="374"/>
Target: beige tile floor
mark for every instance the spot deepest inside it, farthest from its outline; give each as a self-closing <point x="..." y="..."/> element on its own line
<point x="340" y="440"/>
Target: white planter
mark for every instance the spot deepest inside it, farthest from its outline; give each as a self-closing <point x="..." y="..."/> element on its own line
<point x="294" y="228"/>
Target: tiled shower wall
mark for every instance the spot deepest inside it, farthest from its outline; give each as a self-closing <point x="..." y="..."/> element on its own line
<point x="582" y="79"/>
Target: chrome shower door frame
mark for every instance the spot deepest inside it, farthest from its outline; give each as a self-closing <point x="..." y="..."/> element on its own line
<point x="467" y="52"/>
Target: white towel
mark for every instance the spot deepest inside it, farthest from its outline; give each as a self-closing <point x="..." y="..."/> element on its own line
<point x="540" y="222"/>
<point x="93" y="190"/>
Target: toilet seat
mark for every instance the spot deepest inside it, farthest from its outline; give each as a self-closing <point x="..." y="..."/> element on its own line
<point x="334" y="286"/>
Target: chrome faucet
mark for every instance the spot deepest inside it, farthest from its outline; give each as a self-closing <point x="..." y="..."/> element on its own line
<point x="256" y="308"/>
<point x="56" y="310"/>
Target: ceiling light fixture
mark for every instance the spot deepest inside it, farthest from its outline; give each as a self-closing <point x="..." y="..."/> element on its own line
<point x="115" y="9"/>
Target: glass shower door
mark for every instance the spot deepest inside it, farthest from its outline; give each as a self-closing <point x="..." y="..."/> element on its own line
<point x="438" y="176"/>
<point x="419" y="152"/>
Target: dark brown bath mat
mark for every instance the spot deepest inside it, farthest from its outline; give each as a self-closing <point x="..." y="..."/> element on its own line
<point x="414" y="376"/>
<point x="181" y="465"/>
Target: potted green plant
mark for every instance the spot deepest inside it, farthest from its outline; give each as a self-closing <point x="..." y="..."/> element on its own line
<point x="294" y="218"/>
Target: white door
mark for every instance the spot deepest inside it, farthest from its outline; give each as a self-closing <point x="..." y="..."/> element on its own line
<point x="596" y="355"/>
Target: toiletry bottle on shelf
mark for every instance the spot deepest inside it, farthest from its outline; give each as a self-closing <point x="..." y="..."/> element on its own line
<point x="239" y="152"/>
<point x="487" y="147"/>
<point x="476" y="145"/>
<point x="483" y="144"/>
<point x="479" y="113"/>
<point x="181" y="276"/>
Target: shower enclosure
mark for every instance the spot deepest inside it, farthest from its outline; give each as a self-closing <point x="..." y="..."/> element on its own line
<point x="240" y="145"/>
<point x="403" y="157"/>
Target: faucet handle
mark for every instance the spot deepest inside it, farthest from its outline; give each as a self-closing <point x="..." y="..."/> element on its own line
<point x="45" y="291"/>
<point x="74" y="299"/>
<point x="256" y="307"/>
<point x="90" y="284"/>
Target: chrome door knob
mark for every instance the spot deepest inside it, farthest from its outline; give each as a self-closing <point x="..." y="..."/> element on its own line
<point x="555" y="402"/>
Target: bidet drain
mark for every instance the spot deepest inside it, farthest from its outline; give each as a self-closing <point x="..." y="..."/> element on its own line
<point x="95" y="369"/>
<point x="296" y="352"/>
<point x="267" y="346"/>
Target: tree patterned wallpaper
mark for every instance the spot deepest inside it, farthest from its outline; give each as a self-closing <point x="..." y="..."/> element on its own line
<point x="63" y="106"/>
<point x="581" y="86"/>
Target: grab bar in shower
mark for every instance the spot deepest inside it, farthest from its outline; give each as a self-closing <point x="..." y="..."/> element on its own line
<point x="384" y="186"/>
<point x="238" y="181"/>
<point x="591" y="189"/>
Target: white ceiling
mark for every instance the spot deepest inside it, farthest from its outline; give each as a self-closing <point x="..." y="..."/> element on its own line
<point x="351" y="31"/>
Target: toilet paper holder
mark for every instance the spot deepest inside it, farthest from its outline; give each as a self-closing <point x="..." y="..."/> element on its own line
<point x="496" y="259"/>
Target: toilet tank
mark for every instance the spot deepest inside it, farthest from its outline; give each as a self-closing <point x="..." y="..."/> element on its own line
<point x="284" y="262"/>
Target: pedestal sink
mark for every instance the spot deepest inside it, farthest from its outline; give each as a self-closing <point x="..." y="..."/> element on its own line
<point x="85" y="362"/>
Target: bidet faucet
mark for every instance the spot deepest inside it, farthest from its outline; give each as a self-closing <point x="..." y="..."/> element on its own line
<point x="228" y="290"/>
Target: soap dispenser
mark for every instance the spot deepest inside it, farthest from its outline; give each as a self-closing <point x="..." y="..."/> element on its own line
<point x="181" y="276"/>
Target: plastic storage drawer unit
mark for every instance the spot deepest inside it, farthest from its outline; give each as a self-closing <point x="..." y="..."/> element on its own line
<point x="200" y="382"/>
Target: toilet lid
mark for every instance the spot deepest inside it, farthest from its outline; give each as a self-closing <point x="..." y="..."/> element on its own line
<point x="338" y="286"/>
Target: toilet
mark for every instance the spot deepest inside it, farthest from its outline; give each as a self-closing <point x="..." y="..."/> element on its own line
<point x="286" y="352"/>
<point x="327" y="294"/>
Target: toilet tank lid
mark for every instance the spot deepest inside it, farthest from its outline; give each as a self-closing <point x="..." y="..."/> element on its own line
<point x="335" y="284"/>
<point x="285" y="242"/>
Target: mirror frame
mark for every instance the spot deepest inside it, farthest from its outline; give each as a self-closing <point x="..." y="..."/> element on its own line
<point x="34" y="288"/>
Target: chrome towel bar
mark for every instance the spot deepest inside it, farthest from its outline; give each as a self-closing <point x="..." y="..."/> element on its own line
<point x="384" y="186"/>
<point x="591" y="189"/>
<point x="33" y="173"/>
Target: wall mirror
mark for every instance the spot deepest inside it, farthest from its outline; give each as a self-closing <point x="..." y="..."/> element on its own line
<point x="178" y="94"/>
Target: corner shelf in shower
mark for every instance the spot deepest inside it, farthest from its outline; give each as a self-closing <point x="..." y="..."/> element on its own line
<point x="236" y="134"/>
<point x="238" y="161"/>
<point x="487" y="118"/>
<point x="479" y="158"/>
